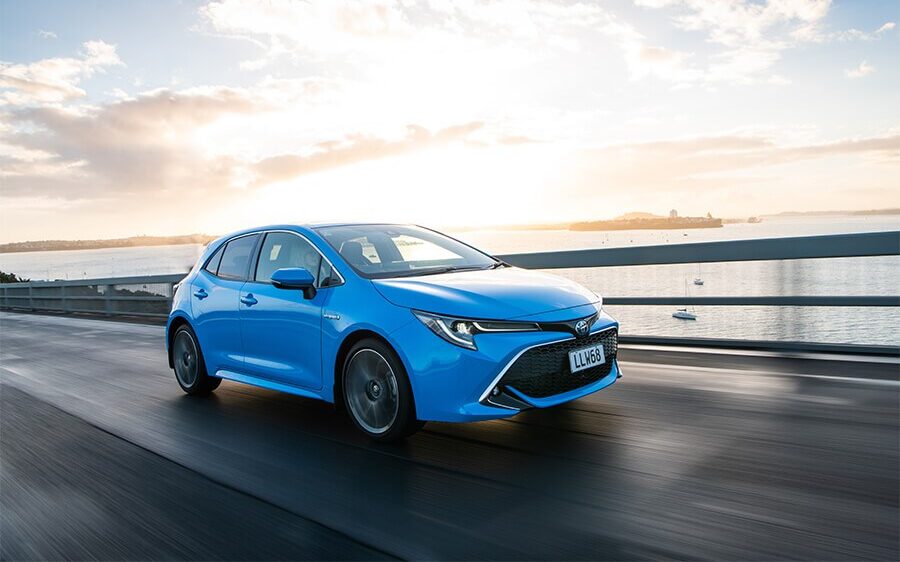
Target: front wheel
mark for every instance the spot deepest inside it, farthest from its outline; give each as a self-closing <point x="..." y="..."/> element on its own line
<point x="377" y="392"/>
<point x="187" y="359"/>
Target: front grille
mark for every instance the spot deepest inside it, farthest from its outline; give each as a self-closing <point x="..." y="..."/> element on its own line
<point x="544" y="371"/>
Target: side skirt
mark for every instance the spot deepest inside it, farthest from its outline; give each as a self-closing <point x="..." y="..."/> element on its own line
<point x="271" y="385"/>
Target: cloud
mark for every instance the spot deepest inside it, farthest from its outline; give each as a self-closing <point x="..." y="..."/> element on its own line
<point x="886" y="148"/>
<point x="854" y="34"/>
<point x="742" y="22"/>
<point x="306" y="28"/>
<point x="864" y="69"/>
<point x="139" y="145"/>
<point x="705" y="164"/>
<point x="155" y="143"/>
<point x="44" y="34"/>
<point x="356" y="148"/>
<point x="751" y="35"/>
<point x="380" y="29"/>
<point x="659" y="62"/>
<point x="381" y="37"/>
<point x="54" y="80"/>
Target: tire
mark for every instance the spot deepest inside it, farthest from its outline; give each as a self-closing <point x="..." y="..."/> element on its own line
<point x="189" y="366"/>
<point x="377" y="393"/>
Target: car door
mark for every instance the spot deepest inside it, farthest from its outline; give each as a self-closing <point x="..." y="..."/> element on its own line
<point x="282" y="330"/>
<point x="216" y="292"/>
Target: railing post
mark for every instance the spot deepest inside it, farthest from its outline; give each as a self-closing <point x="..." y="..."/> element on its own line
<point x="31" y="297"/>
<point x="107" y="304"/>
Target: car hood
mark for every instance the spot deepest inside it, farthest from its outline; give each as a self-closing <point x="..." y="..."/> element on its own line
<point x="499" y="294"/>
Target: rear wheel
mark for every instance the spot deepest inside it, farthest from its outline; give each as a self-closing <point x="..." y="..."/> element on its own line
<point x="190" y="369"/>
<point x="377" y="392"/>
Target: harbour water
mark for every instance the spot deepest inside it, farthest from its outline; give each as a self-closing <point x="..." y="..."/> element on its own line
<point x="845" y="276"/>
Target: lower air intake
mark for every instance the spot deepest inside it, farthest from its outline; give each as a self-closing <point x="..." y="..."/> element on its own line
<point x="544" y="371"/>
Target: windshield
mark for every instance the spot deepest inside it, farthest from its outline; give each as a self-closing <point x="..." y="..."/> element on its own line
<point x="377" y="251"/>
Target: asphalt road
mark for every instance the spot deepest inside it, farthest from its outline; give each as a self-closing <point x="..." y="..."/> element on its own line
<point x="103" y="457"/>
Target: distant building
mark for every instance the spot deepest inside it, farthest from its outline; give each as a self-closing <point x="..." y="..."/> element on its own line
<point x="673" y="214"/>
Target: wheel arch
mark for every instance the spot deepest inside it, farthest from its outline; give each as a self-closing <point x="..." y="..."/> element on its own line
<point x="348" y="342"/>
<point x="175" y="323"/>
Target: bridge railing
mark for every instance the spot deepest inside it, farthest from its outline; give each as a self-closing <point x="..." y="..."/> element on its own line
<point x="867" y="244"/>
<point x="151" y="296"/>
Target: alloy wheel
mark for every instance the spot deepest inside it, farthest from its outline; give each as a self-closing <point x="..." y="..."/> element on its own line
<point x="371" y="391"/>
<point x="185" y="358"/>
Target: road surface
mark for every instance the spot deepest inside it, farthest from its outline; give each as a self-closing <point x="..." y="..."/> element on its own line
<point x="688" y="456"/>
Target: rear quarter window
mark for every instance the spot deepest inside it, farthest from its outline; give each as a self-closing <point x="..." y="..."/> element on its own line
<point x="212" y="264"/>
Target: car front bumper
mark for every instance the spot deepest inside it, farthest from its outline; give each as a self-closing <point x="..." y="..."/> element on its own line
<point x="454" y="384"/>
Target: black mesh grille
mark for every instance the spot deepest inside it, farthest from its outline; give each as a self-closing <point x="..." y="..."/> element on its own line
<point x="544" y="371"/>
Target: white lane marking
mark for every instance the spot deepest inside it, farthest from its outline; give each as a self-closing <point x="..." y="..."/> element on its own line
<point x="733" y="372"/>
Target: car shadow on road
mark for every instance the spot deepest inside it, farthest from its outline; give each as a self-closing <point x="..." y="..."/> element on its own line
<point x="530" y="489"/>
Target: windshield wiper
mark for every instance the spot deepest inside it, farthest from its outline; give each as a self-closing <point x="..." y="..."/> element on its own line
<point x="433" y="271"/>
<point x="498" y="264"/>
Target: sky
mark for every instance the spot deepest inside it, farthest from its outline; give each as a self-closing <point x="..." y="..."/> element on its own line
<point x="175" y="117"/>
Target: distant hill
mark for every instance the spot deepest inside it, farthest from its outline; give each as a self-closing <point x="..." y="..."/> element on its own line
<point x="637" y="216"/>
<point x="134" y="241"/>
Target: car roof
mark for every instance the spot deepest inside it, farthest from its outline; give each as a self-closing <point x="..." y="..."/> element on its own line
<point x="300" y="227"/>
<point x="306" y="226"/>
<point x="330" y="224"/>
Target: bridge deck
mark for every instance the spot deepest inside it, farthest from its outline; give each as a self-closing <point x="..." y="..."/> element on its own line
<point x="680" y="459"/>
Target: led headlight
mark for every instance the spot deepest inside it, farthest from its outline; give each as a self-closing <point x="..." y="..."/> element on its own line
<point x="461" y="332"/>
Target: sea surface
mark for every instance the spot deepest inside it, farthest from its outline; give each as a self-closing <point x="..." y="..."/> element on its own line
<point x="844" y="276"/>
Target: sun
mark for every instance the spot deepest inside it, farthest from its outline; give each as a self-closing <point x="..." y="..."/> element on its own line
<point x="452" y="185"/>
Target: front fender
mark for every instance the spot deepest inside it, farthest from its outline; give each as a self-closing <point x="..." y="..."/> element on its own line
<point x="352" y="309"/>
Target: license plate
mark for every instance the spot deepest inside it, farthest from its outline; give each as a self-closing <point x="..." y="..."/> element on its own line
<point x="586" y="357"/>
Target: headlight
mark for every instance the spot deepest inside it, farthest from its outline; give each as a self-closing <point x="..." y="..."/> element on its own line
<point x="461" y="332"/>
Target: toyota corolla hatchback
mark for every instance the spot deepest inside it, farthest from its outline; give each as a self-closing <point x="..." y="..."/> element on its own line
<point x="398" y="324"/>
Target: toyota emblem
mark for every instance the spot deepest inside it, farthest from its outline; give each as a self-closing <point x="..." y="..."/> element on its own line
<point x="581" y="328"/>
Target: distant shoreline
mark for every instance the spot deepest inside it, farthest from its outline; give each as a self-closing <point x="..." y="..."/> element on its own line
<point x="678" y="223"/>
<point x="866" y="213"/>
<point x="132" y="242"/>
<point x="630" y="221"/>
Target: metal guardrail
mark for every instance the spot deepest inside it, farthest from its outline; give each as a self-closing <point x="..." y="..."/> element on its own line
<point x="865" y="244"/>
<point x="151" y="296"/>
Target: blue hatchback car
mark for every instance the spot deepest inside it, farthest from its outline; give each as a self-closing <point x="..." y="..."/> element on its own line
<point x="398" y="324"/>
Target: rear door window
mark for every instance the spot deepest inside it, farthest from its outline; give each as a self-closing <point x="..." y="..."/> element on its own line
<point x="236" y="257"/>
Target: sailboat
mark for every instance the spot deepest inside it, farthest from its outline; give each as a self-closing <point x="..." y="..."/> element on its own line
<point x="698" y="280"/>
<point x="683" y="313"/>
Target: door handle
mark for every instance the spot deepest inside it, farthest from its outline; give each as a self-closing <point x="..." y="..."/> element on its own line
<point x="201" y="294"/>
<point x="249" y="299"/>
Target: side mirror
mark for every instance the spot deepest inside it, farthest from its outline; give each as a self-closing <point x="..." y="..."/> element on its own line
<point x="295" y="278"/>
